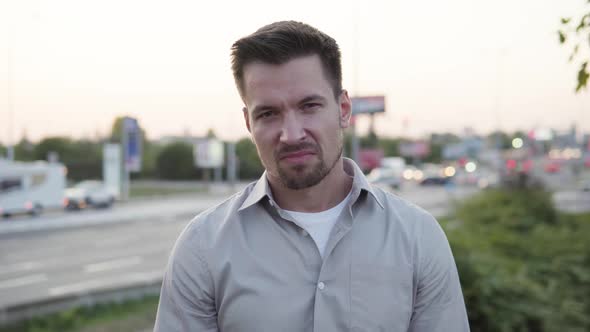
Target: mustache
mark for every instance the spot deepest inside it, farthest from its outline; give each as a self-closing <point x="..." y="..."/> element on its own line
<point x="287" y="149"/>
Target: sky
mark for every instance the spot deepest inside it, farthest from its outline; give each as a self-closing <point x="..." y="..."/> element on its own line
<point x="69" y="67"/>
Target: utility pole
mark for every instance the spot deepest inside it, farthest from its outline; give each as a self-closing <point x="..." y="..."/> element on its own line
<point x="10" y="105"/>
<point x="355" y="23"/>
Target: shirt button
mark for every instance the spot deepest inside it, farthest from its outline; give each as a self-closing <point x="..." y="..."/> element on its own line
<point x="321" y="286"/>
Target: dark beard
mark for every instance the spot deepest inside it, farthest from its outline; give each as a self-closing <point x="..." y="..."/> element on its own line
<point x="302" y="180"/>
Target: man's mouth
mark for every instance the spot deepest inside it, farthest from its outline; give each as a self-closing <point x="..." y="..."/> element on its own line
<point x="297" y="156"/>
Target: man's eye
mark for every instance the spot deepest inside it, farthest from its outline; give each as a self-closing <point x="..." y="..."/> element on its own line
<point x="266" y="114"/>
<point x="311" y="106"/>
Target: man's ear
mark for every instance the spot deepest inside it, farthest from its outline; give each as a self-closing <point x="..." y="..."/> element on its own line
<point x="246" y="118"/>
<point x="345" y="109"/>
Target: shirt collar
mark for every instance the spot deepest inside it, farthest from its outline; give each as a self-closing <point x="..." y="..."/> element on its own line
<point x="261" y="188"/>
<point x="359" y="181"/>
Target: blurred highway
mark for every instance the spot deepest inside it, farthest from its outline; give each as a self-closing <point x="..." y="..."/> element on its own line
<point x="66" y="254"/>
<point x="125" y="245"/>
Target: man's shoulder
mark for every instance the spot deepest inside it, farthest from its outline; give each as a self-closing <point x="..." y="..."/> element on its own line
<point x="403" y="212"/>
<point x="394" y="202"/>
<point x="207" y="224"/>
<point x="410" y="224"/>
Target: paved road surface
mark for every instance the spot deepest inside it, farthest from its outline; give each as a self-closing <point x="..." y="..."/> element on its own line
<point x="126" y="245"/>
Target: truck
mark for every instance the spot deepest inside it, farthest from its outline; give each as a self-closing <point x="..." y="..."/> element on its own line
<point x="31" y="187"/>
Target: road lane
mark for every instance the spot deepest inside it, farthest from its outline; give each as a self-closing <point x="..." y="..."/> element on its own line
<point x="113" y="264"/>
<point x="81" y="260"/>
<point x="23" y="281"/>
<point x="166" y="208"/>
<point x="50" y="263"/>
<point x="85" y="259"/>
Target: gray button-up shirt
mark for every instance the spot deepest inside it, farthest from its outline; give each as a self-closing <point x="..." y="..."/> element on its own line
<point x="244" y="265"/>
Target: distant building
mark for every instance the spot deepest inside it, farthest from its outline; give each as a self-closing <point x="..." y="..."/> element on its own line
<point x="586" y="142"/>
<point x="562" y="140"/>
<point x="469" y="147"/>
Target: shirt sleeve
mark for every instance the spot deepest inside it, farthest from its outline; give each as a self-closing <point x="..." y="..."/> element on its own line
<point x="438" y="304"/>
<point x="187" y="300"/>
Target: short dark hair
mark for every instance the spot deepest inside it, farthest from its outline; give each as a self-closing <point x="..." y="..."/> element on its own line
<point x="280" y="42"/>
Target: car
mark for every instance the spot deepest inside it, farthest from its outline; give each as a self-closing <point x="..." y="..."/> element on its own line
<point x="432" y="175"/>
<point x="552" y="167"/>
<point x="89" y="193"/>
<point x="435" y="181"/>
<point x="412" y="173"/>
<point x="385" y="176"/>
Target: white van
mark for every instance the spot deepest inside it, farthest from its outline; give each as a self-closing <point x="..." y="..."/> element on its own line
<point x="31" y="187"/>
<point x="390" y="173"/>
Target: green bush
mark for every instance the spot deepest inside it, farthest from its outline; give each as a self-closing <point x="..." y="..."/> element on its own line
<point x="520" y="210"/>
<point x="131" y="315"/>
<point x="176" y="162"/>
<point x="249" y="165"/>
<point x="523" y="266"/>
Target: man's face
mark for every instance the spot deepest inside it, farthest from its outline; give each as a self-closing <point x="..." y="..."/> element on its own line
<point x="295" y="120"/>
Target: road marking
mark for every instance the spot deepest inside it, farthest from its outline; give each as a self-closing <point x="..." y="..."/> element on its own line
<point x="23" y="281"/>
<point x="113" y="264"/>
<point x="79" y="287"/>
<point x="24" y="254"/>
<point x="20" y="267"/>
<point x="148" y="276"/>
<point x="111" y="242"/>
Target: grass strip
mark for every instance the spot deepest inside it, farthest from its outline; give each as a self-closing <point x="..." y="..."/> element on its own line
<point x="129" y="316"/>
<point x="136" y="192"/>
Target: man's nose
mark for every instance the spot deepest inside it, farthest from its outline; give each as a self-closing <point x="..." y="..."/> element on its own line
<point x="293" y="129"/>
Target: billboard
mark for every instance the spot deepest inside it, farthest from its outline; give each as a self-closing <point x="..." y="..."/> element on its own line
<point x="418" y="149"/>
<point x="111" y="167"/>
<point x="209" y="153"/>
<point x="372" y="104"/>
<point x="132" y="144"/>
<point x="370" y="158"/>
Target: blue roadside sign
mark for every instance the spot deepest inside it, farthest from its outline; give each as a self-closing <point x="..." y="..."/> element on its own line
<point x="132" y="141"/>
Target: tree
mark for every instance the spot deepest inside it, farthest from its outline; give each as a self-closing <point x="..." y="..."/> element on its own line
<point x="150" y="153"/>
<point x="59" y="145"/>
<point x="250" y="166"/>
<point x="435" y="154"/>
<point x="176" y="162"/>
<point x="23" y="151"/>
<point x="83" y="158"/>
<point x="578" y="30"/>
<point x="149" y="150"/>
<point x="211" y="133"/>
<point x="370" y="141"/>
<point x="499" y="139"/>
<point x="115" y="136"/>
<point x="437" y="143"/>
<point x="390" y="146"/>
<point x="116" y="131"/>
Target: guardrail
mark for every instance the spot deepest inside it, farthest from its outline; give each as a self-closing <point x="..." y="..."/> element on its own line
<point x="42" y="307"/>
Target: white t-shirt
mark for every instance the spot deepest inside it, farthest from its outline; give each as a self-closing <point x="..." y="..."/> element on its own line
<point x="319" y="224"/>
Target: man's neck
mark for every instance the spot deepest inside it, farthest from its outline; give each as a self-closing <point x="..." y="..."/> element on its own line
<point x="326" y="194"/>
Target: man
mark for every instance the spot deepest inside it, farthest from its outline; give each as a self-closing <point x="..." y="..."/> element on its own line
<point x="311" y="246"/>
